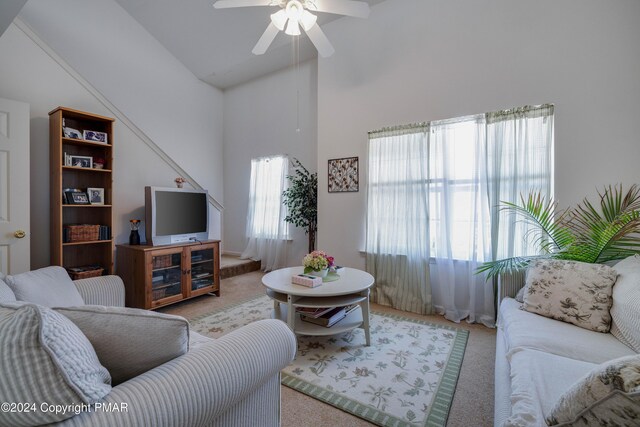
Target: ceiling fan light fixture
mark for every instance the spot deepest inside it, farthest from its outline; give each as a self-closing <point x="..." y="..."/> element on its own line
<point x="279" y="19"/>
<point x="294" y="9"/>
<point x="296" y="13"/>
<point x="293" y="29"/>
<point x="308" y="20"/>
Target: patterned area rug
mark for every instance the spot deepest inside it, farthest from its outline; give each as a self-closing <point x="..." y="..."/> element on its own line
<point x="407" y="376"/>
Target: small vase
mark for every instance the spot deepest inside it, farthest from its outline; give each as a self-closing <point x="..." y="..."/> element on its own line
<point x="320" y="273"/>
<point x="134" y="236"/>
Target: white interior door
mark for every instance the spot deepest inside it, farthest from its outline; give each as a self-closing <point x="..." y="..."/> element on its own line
<point x="15" y="254"/>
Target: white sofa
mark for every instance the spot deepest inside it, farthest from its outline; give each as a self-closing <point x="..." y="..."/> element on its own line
<point x="231" y="381"/>
<point x="538" y="359"/>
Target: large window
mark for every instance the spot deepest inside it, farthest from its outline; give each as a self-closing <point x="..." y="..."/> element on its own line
<point x="417" y="178"/>
<point x="268" y="181"/>
<point x="434" y="178"/>
<point x="454" y="158"/>
<point x="433" y="201"/>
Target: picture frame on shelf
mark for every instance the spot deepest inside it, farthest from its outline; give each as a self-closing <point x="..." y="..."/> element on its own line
<point x="75" y="197"/>
<point x="96" y="196"/>
<point x="343" y="175"/>
<point x="81" y="161"/>
<point x="95" y="136"/>
<point x="68" y="190"/>
<point x="71" y="133"/>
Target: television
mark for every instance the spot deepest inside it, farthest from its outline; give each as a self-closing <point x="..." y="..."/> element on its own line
<point x="175" y="215"/>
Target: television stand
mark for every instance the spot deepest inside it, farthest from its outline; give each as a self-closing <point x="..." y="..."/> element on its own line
<point x="156" y="276"/>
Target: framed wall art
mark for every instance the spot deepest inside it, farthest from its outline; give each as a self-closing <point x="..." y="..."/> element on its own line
<point x="343" y="175"/>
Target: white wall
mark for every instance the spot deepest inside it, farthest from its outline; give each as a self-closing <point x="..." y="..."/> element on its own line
<point x="8" y="11"/>
<point x="33" y="76"/>
<point x="417" y="60"/>
<point x="261" y="119"/>
<point x="111" y="50"/>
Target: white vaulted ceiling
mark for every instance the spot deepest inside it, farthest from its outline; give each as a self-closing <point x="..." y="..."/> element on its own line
<point x="216" y="44"/>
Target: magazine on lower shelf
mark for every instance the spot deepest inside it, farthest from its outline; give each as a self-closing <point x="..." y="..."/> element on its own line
<point x="313" y="312"/>
<point x="331" y="317"/>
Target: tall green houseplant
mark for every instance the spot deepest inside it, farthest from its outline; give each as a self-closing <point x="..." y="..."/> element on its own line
<point x="599" y="233"/>
<point x="301" y="200"/>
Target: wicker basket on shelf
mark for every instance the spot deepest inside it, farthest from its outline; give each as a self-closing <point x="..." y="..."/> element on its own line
<point x="82" y="233"/>
<point x="81" y="273"/>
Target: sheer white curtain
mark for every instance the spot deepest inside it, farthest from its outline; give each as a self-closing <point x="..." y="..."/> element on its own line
<point x="397" y="219"/>
<point x="266" y="230"/>
<point x="429" y="228"/>
<point x="519" y="160"/>
<point x="459" y="220"/>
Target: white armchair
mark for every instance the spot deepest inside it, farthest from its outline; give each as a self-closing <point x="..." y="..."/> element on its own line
<point x="103" y="290"/>
<point x="231" y="381"/>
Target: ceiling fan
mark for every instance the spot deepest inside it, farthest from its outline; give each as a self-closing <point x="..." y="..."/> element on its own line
<point x="294" y="14"/>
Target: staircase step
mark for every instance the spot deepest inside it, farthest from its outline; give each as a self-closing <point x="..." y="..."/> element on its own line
<point x="231" y="266"/>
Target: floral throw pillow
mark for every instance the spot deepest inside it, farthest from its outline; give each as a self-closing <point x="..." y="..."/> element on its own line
<point x="607" y="396"/>
<point x="571" y="291"/>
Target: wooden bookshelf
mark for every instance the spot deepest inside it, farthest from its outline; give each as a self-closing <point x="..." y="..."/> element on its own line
<point x="80" y="253"/>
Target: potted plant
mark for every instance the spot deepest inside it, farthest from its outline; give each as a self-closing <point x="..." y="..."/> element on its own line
<point x="586" y="233"/>
<point x="301" y="200"/>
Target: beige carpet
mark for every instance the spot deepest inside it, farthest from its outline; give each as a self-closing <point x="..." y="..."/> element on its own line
<point x="473" y="400"/>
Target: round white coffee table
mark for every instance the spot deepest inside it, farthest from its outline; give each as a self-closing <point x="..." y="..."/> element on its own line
<point x="351" y="288"/>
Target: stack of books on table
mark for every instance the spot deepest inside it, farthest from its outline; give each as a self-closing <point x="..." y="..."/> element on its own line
<point x="326" y="317"/>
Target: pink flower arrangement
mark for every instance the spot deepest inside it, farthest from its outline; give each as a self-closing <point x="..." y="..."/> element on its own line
<point x="316" y="261"/>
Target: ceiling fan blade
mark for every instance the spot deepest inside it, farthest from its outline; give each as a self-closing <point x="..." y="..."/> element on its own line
<point x="358" y="9"/>
<point x="320" y="41"/>
<point x="265" y="41"/>
<point x="224" y="4"/>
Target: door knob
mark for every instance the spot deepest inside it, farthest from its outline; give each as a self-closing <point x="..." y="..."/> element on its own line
<point x="19" y="234"/>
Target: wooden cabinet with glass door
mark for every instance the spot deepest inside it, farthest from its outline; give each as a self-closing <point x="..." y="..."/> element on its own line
<point x="155" y="276"/>
<point x="202" y="270"/>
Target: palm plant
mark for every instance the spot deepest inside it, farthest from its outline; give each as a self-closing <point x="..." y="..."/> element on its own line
<point x="585" y="233"/>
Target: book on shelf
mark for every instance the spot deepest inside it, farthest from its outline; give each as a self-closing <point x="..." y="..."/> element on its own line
<point x="201" y="274"/>
<point x="330" y="318"/>
<point x="201" y="283"/>
<point x="104" y="233"/>
<point x="313" y="312"/>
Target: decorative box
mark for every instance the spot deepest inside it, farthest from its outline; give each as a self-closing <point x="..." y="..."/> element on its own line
<point x="306" y="280"/>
